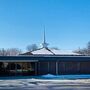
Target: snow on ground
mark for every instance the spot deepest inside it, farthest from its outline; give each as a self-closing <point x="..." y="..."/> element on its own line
<point x="42" y="51"/>
<point x="40" y="84"/>
<point x="14" y="83"/>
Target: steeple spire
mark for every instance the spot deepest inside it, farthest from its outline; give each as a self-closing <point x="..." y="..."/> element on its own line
<point x="44" y="44"/>
<point x="44" y="36"/>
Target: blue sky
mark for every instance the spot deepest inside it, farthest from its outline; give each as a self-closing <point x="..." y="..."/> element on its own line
<point x="67" y="23"/>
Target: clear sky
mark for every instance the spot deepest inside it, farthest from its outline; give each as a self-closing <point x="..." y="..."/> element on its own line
<point x="67" y="23"/>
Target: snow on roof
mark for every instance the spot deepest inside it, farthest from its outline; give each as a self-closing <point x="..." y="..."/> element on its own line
<point x="63" y="52"/>
<point x="46" y="51"/>
<point x="42" y="51"/>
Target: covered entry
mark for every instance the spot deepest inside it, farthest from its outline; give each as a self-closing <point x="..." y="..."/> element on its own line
<point x="17" y="68"/>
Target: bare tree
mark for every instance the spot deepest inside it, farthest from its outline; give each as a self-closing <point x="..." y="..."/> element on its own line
<point x="3" y="52"/>
<point x="81" y="51"/>
<point x="56" y="48"/>
<point x="88" y="48"/>
<point x="13" y="51"/>
<point x="32" y="47"/>
<point x="10" y="52"/>
<point x="84" y="51"/>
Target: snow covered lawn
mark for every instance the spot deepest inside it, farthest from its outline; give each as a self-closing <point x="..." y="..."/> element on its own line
<point x="40" y="84"/>
<point x="44" y="84"/>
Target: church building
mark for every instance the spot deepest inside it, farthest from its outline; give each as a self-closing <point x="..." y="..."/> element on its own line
<point x="44" y="61"/>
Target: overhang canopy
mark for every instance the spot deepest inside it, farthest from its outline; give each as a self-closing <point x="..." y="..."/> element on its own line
<point x="37" y="58"/>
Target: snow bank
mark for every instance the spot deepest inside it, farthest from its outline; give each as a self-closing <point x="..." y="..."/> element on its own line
<point x="60" y="77"/>
<point x="49" y="76"/>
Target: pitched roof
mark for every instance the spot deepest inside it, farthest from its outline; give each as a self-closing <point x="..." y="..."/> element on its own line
<point x="47" y="51"/>
<point x="64" y="52"/>
<point x="43" y="51"/>
<point x="27" y="53"/>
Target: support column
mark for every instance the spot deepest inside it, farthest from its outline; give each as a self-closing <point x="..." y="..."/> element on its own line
<point x="15" y="69"/>
<point x="9" y="63"/>
<point x="35" y="68"/>
<point x="56" y="67"/>
<point x="78" y="67"/>
<point x="64" y="67"/>
<point x="48" y="67"/>
<point x="4" y="67"/>
<point x="22" y="68"/>
<point x="39" y="68"/>
<point x="26" y="68"/>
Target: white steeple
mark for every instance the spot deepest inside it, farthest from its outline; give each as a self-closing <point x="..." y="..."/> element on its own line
<point x="44" y="44"/>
